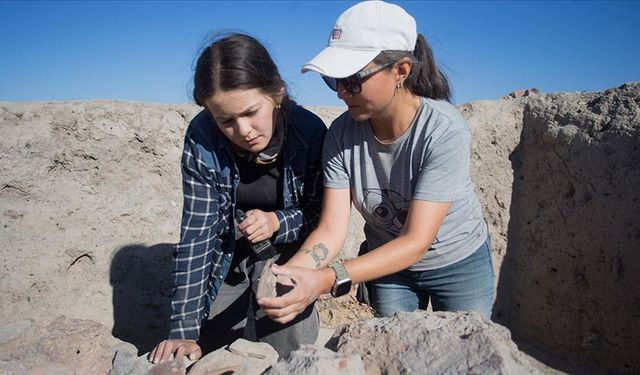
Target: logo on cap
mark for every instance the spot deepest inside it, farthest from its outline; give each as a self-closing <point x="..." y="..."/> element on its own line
<point x="335" y="34"/>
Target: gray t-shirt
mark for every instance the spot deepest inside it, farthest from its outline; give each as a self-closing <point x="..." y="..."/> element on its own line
<point x="430" y="162"/>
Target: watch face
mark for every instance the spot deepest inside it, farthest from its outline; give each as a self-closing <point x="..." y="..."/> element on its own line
<point x="342" y="284"/>
<point x="342" y="288"/>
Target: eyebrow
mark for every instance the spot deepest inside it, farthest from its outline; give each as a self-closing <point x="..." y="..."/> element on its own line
<point x="228" y="116"/>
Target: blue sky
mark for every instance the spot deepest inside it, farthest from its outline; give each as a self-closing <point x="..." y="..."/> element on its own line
<point x="144" y="51"/>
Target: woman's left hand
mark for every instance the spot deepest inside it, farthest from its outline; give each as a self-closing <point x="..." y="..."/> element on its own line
<point x="259" y="225"/>
<point x="308" y="284"/>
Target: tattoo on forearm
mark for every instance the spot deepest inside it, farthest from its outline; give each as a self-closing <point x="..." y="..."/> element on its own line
<point x="318" y="253"/>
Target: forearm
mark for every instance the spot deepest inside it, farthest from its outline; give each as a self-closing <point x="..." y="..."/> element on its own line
<point x="192" y="265"/>
<point x="186" y="315"/>
<point x="419" y="231"/>
<point x="192" y="262"/>
<point x="319" y="249"/>
<point x="394" y="256"/>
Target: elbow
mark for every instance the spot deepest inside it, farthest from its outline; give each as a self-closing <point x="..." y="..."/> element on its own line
<point x="330" y="229"/>
<point x="417" y="256"/>
<point x="417" y="249"/>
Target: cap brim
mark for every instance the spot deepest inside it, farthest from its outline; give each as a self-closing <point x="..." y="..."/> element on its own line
<point x="339" y="62"/>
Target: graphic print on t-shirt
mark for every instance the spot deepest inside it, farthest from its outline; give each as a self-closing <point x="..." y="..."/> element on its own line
<point x="387" y="209"/>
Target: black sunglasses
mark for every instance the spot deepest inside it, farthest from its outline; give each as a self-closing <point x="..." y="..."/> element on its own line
<point x="353" y="83"/>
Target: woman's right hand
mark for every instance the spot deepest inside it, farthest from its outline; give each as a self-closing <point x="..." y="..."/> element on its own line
<point x="306" y="285"/>
<point x="166" y="349"/>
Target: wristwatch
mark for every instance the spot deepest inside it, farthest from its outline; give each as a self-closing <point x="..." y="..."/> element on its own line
<point x="342" y="285"/>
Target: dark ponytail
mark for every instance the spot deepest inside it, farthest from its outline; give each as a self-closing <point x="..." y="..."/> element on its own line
<point x="426" y="78"/>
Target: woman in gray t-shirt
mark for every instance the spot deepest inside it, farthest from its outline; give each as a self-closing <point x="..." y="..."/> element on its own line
<point x="400" y="155"/>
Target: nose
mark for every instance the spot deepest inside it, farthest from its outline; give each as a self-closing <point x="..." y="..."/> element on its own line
<point x="342" y="92"/>
<point x="244" y="126"/>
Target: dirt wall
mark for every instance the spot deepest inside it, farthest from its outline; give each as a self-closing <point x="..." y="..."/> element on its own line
<point x="571" y="274"/>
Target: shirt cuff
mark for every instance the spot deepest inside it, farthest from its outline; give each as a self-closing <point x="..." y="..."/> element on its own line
<point x="184" y="330"/>
<point x="283" y="225"/>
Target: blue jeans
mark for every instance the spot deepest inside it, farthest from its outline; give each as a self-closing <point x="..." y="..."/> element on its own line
<point x="465" y="285"/>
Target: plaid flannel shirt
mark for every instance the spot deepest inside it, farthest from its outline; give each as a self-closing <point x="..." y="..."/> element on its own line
<point x="203" y="256"/>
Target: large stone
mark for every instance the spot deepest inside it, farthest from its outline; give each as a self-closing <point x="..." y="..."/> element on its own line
<point x="126" y="363"/>
<point x="258" y="350"/>
<point x="432" y="343"/>
<point x="312" y="360"/>
<point x="173" y="367"/>
<point x="241" y="357"/>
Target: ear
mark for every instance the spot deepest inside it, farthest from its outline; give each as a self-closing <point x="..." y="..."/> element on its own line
<point x="280" y="97"/>
<point x="403" y="68"/>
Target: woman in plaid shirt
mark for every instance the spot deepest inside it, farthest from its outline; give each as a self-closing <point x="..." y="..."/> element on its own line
<point x="252" y="149"/>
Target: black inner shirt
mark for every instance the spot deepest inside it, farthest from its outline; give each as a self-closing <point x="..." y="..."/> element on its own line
<point x="258" y="188"/>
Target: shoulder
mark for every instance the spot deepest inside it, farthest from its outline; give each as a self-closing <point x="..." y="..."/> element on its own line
<point x="201" y="128"/>
<point x="442" y="114"/>
<point x="305" y="121"/>
<point x="443" y="127"/>
<point x="305" y="127"/>
<point x="203" y="140"/>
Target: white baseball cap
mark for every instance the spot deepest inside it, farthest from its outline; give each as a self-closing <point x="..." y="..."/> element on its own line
<point x="360" y="34"/>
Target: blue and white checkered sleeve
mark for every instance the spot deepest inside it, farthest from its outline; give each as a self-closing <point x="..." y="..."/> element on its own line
<point x="298" y="222"/>
<point x="194" y="253"/>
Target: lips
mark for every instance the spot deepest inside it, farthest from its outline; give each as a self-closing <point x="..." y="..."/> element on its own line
<point x="253" y="141"/>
